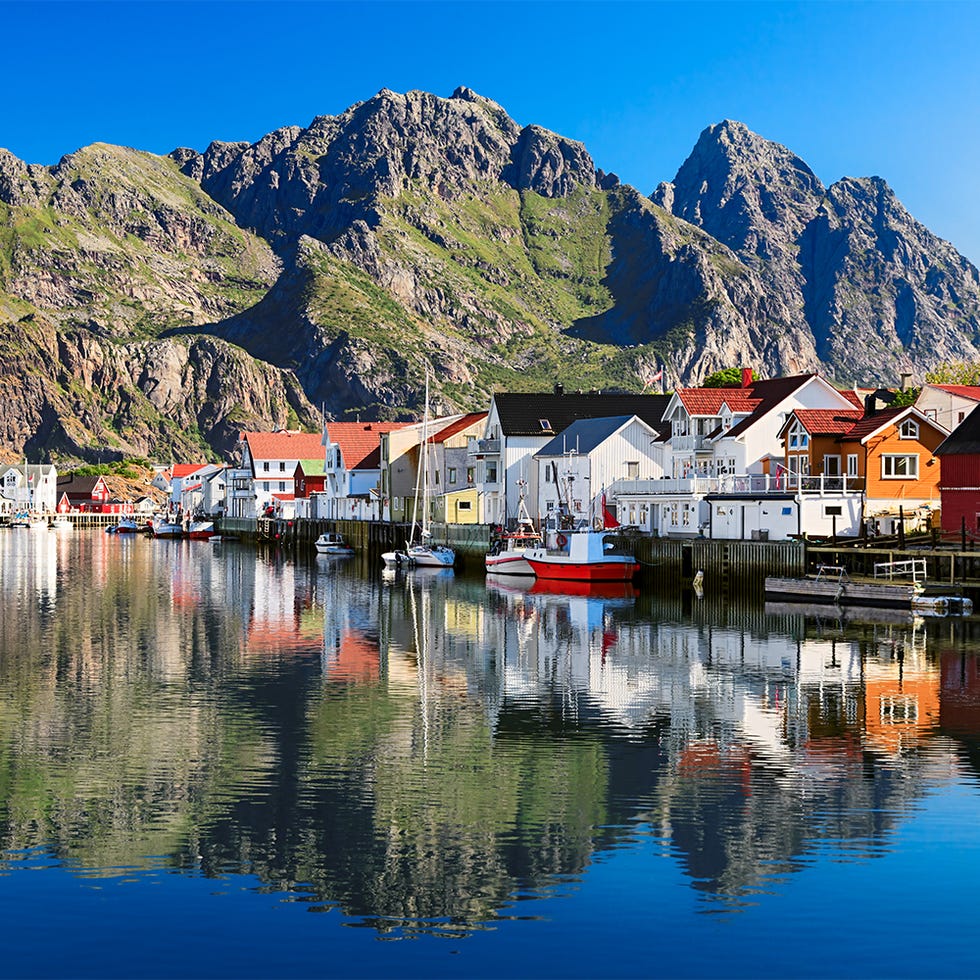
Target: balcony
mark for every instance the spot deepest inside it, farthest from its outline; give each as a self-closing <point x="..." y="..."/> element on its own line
<point x="690" y="444"/>
<point x="749" y="483"/>
<point x="483" y="447"/>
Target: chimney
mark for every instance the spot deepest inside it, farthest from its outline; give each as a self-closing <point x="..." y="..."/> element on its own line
<point x="746" y="377"/>
<point x="869" y="404"/>
<point x="559" y="388"/>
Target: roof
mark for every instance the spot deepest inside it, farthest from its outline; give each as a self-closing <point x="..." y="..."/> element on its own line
<point x="464" y="422"/>
<point x="828" y="421"/>
<point x="282" y="445"/>
<point x="769" y="394"/>
<point x="360" y="442"/>
<point x="583" y="436"/>
<point x="854" y="397"/>
<point x="872" y="423"/>
<point x="79" y="486"/>
<point x="964" y="440"/>
<point x="964" y="391"/>
<point x="708" y="401"/>
<point x="522" y="413"/>
<point x="180" y="470"/>
<point x="312" y="467"/>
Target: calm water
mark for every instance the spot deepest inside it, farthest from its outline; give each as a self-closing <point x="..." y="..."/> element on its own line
<point x="221" y="763"/>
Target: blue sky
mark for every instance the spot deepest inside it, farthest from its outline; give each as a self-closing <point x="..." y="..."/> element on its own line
<point x="855" y="89"/>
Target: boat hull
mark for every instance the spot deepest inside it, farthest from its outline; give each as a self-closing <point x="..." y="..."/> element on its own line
<point x="610" y="570"/>
<point x="513" y="563"/>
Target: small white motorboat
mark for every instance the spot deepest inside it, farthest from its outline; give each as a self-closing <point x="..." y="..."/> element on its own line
<point x="332" y="543"/>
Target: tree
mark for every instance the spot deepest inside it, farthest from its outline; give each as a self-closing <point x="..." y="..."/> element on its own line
<point x="954" y="373"/>
<point x="726" y="378"/>
<point x="906" y="397"/>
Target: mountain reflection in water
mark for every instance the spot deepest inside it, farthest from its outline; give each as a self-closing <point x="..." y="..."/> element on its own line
<point x="430" y="752"/>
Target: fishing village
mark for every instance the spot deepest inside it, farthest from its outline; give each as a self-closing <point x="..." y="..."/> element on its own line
<point x="718" y="487"/>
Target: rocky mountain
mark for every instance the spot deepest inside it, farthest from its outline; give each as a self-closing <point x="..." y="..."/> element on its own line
<point x="159" y="305"/>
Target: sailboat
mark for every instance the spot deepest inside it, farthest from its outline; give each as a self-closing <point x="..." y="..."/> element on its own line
<point x="422" y="552"/>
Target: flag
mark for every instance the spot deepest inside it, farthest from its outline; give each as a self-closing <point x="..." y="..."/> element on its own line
<point x="607" y="519"/>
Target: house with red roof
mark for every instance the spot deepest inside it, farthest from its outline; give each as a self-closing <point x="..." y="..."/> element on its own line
<point x="856" y="466"/>
<point x="949" y="405"/>
<point x="724" y="443"/>
<point x="182" y="477"/>
<point x="263" y="484"/>
<point x="352" y="469"/>
<point x="449" y="465"/>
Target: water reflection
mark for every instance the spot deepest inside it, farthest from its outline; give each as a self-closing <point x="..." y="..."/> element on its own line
<point x="427" y="752"/>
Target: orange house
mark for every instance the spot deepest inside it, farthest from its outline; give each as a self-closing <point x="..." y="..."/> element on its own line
<point x="889" y="455"/>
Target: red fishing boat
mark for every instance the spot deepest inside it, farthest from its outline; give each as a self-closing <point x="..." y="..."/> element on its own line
<point x="583" y="555"/>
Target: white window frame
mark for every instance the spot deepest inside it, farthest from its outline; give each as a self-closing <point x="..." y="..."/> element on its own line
<point x="837" y="460"/>
<point x="890" y="465"/>
<point x="909" y="429"/>
<point x="852" y="464"/>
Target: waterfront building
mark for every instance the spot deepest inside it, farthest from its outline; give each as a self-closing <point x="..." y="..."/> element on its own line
<point x="949" y="405"/>
<point x="519" y="425"/>
<point x="28" y="486"/>
<point x="575" y="468"/>
<point x="959" y="485"/>
<point x="86" y="494"/>
<point x="263" y="482"/>
<point x="352" y="470"/>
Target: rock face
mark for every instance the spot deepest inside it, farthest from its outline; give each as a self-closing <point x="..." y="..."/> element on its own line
<point x="160" y="305"/>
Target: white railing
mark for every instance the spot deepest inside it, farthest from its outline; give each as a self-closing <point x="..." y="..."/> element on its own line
<point x="688" y="444"/>
<point x="483" y="447"/>
<point x="755" y="483"/>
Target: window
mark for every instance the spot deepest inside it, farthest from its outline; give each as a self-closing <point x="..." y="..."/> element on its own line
<point x="469" y="474"/>
<point x="436" y="481"/>
<point x="265" y="467"/>
<point x="282" y="467"/>
<point x="799" y="438"/>
<point x="960" y="416"/>
<point x="547" y="473"/>
<point x="909" y="429"/>
<point x="852" y="464"/>
<point x="265" y="486"/>
<point x="491" y="472"/>
<point x="833" y="511"/>
<point x="633" y="471"/>
<point x="931" y="413"/>
<point x="282" y="486"/>
<point x="452" y="474"/>
<point x="831" y="465"/>
<point x="465" y="505"/>
<point x="545" y="425"/>
<point x="551" y="506"/>
<point x="895" y="467"/>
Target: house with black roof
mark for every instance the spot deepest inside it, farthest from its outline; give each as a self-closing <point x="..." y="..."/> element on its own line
<point x="959" y="478"/>
<point x="521" y="424"/>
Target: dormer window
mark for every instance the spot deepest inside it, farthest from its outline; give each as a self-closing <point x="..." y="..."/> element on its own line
<point x="799" y="438"/>
<point x="909" y="429"/>
<point x="545" y="425"/>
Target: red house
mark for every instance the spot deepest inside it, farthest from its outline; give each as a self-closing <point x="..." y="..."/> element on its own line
<point x="959" y="480"/>
<point x="88" y="494"/>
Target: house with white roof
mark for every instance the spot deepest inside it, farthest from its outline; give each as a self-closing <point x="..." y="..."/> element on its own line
<point x="28" y="487"/>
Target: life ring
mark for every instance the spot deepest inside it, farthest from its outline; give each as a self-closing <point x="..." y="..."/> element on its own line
<point x="561" y="540"/>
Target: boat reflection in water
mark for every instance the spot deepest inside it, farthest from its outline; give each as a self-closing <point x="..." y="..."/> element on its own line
<point x="418" y="749"/>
